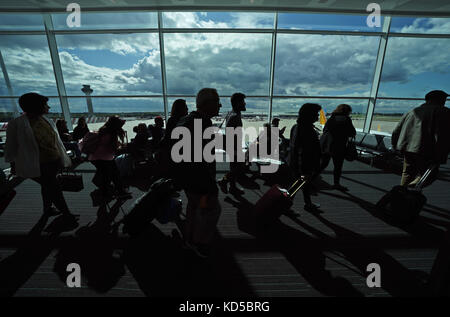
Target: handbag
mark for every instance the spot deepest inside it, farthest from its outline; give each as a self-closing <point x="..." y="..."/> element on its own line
<point x="351" y="153"/>
<point x="70" y="181"/>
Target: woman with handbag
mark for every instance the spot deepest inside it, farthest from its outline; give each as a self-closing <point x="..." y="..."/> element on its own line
<point x="110" y="136"/>
<point x="35" y="150"/>
<point x="334" y="140"/>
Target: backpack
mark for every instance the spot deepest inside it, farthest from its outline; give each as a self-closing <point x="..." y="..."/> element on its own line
<point x="89" y="143"/>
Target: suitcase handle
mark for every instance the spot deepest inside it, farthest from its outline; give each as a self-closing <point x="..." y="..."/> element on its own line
<point x="424" y="177"/>
<point x="296" y="186"/>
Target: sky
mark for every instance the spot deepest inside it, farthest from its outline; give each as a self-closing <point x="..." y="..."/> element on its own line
<point x="316" y="65"/>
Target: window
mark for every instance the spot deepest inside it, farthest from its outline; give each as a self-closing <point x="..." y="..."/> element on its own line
<point x="248" y="20"/>
<point x="108" y="20"/>
<point x="227" y="62"/>
<point x="112" y="105"/>
<point x="112" y="64"/>
<point x="332" y="65"/>
<point x="21" y="22"/>
<point x="329" y="22"/>
<point x="287" y="110"/>
<point x="415" y="66"/>
<point x="420" y="25"/>
<point x="389" y="112"/>
<point x="28" y="63"/>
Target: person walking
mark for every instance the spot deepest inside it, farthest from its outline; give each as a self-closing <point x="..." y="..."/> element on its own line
<point x="336" y="132"/>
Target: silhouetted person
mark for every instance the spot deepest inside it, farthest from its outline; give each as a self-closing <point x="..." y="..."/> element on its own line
<point x="276" y="123"/>
<point x="35" y="150"/>
<point x="304" y="156"/>
<point x="198" y="179"/>
<point x="156" y="131"/>
<point x="111" y="135"/>
<point x="179" y="110"/>
<point x="338" y="129"/>
<point x="63" y="131"/>
<point x="423" y="137"/>
<point x="80" y="130"/>
<point x="236" y="168"/>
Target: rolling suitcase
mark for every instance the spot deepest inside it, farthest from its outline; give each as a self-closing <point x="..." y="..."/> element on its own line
<point x="275" y="201"/>
<point x="147" y="207"/>
<point x="403" y="204"/>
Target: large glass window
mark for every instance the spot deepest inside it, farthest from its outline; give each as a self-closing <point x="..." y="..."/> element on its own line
<point x="332" y="65"/>
<point x="108" y="20"/>
<point x="227" y="62"/>
<point x="420" y="25"/>
<point x="28" y="63"/>
<point x="389" y="112"/>
<point x="415" y="66"/>
<point x="249" y="20"/>
<point x="287" y="110"/>
<point x="112" y="64"/>
<point x="126" y="105"/>
<point x="329" y="22"/>
<point x="21" y="22"/>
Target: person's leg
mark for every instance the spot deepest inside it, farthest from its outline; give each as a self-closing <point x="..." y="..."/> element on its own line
<point x="206" y="222"/>
<point x="191" y="207"/>
<point x="46" y="198"/>
<point x="338" y="162"/>
<point x="101" y="178"/>
<point x="410" y="169"/>
<point x="51" y="188"/>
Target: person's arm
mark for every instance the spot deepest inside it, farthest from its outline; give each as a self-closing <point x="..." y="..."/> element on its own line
<point x="351" y="128"/>
<point x="396" y="133"/>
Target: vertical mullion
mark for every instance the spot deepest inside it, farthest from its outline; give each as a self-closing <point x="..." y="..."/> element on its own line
<point x="8" y="85"/>
<point x="57" y="69"/>
<point x="272" y="65"/>
<point x="377" y="74"/>
<point x="163" y="66"/>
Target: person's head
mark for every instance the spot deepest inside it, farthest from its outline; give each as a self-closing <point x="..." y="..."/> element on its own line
<point x="159" y="122"/>
<point x="208" y="102"/>
<point x="343" y="109"/>
<point x="179" y="108"/>
<point x="308" y="113"/>
<point x="437" y="97"/>
<point x="82" y="122"/>
<point x="114" y="123"/>
<point x="34" y="104"/>
<point x="238" y="102"/>
<point x="275" y="122"/>
<point x="141" y="128"/>
<point x="61" y="125"/>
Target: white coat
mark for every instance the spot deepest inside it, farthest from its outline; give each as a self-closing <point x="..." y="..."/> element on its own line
<point x="21" y="147"/>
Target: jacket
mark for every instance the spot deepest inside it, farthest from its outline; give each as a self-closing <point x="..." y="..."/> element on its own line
<point x="424" y="130"/>
<point x="22" y="148"/>
<point x="335" y="135"/>
<point x="305" y="153"/>
<point x="195" y="177"/>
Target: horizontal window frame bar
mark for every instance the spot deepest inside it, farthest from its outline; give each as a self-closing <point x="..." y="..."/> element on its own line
<point x="226" y="96"/>
<point x="246" y="9"/>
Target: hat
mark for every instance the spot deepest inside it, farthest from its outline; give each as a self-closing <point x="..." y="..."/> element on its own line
<point x="436" y="94"/>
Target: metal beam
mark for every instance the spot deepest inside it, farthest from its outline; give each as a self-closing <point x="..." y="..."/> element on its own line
<point x="377" y="74"/>
<point x="163" y="67"/>
<point x="8" y="85"/>
<point x="272" y="66"/>
<point x="57" y="69"/>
